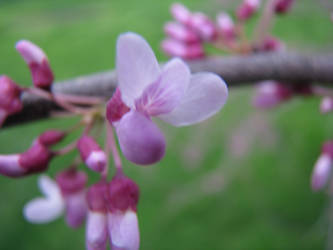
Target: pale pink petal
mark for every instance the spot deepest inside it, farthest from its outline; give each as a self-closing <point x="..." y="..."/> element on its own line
<point x="321" y="172"/>
<point x="205" y="96"/>
<point x="96" y="160"/>
<point x="41" y="210"/>
<point x="30" y="52"/>
<point x="96" y="231"/>
<point x="164" y="95"/>
<point x="136" y="65"/>
<point x="49" y="187"/>
<point x="76" y="209"/>
<point x="124" y="230"/>
<point x="140" y="139"/>
<point x="10" y="166"/>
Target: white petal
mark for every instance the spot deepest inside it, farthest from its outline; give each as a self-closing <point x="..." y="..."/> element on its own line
<point x="49" y="187"/>
<point x="42" y="210"/>
<point x="136" y="66"/>
<point x="165" y="94"/>
<point x="96" y="231"/>
<point x="124" y="230"/>
<point x="205" y="96"/>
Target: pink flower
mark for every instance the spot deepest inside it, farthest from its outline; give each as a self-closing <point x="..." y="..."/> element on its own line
<point x="93" y="156"/>
<point x="10" y="102"/>
<point x="186" y="51"/>
<point x="323" y="167"/>
<point x="203" y="26"/>
<point x="41" y="72"/>
<point x="51" y="137"/>
<point x="66" y="195"/>
<point x="247" y="9"/>
<point x="270" y="44"/>
<point x="170" y="93"/>
<point x="326" y="105"/>
<point x="269" y="94"/>
<point x="180" y="13"/>
<point x="34" y="160"/>
<point x="181" y="33"/>
<point x="226" y="26"/>
<point x="283" y="6"/>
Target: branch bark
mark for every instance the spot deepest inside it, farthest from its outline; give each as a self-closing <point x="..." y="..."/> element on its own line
<point x="286" y="67"/>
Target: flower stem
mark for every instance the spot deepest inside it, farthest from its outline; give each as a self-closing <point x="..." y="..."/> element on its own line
<point x="113" y="147"/>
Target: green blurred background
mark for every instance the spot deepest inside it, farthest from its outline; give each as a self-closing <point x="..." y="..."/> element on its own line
<point x="237" y="181"/>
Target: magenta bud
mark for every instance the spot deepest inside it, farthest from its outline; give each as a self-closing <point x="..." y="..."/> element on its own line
<point x="123" y="194"/>
<point x="187" y="51"/>
<point x="42" y="75"/>
<point x="283" y="6"/>
<point x="271" y="44"/>
<point x="327" y="148"/>
<point x="201" y="24"/>
<point x="326" y="105"/>
<point x="10" y="93"/>
<point x="35" y="159"/>
<point x="181" y="33"/>
<point x="180" y="13"/>
<point x="116" y="108"/>
<point x="247" y="9"/>
<point x="269" y="94"/>
<point x="140" y="139"/>
<point x="226" y="26"/>
<point x="51" y="137"/>
<point x="321" y="172"/>
<point x="96" y="197"/>
<point x="71" y="181"/>
<point x="93" y="156"/>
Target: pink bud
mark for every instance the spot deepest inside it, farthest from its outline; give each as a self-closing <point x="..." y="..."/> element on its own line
<point x="42" y="75"/>
<point x="247" y="9"/>
<point x="226" y="26"/>
<point x="269" y="94"/>
<point x="326" y="105"/>
<point x="93" y="156"/>
<point x="50" y="137"/>
<point x="180" y="13"/>
<point x="201" y="24"/>
<point x="271" y="44"/>
<point x="123" y="194"/>
<point x="96" y="197"/>
<point x="180" y="32"/>
<point x="321" y="172"/>
<point x="10" y="101"/>
<point x="187" y="51"/>
<point x="115" y="107"/>
<point x="283" y="6"/>
<point x="10" y="166"/>
<point x="328" y="148"/>
<point x="35" y="159"/>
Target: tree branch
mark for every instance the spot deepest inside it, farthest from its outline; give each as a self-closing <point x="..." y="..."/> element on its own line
<point x="235" y="70"/>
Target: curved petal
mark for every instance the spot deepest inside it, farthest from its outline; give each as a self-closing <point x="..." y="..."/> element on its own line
<point x="96" y="231"/>
<point x="140" y="139"/>
<point x="124" y="230"/>
<point x="49" y="187"/>
<point x="205" y="96"/>
<point x="42" y="210"/>
<point x="166" y="93"/>
<point x="136" y="66"/>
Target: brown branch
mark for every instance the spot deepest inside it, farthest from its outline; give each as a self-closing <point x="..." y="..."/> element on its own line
<point x="235" y="70"/>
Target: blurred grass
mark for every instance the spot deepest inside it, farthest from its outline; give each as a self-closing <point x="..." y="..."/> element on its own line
<point x="206" y="193"/>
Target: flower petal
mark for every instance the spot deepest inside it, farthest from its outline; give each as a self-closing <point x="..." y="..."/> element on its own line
<point x="42" y="210"/>
<point x="136" y="65"/>
<point x="124" y="230"/>
<point x="96" y="231"/>
<point x="49" y="187"/>
<point x="140" y="139"/>
<point x="163" y="96"/>
<point x="205" y="96"/>
<point x="76" y="209"/>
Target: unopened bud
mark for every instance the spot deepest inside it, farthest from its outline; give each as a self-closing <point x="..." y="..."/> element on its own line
<point x="247" y="9"/>
<point x="93" y="156"/>
<point x="51" y="137"/>
<point x="226" y="26"/>
<point x="283" y="6"/>
<point x="181" y="33"/>
<point x="271" y="44"/>
<point x="201" y="24"/>
<point x="42" y="75"/>
<point x="326" y="105"/>
<point x="180" y="13"/>
<point x="186" y="51"/>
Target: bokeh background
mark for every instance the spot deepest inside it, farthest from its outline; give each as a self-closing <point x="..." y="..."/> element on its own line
<point x="237" y="181"/>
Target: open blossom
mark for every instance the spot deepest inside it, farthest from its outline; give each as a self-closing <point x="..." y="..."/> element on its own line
<point x="67" y="195"/>
<point x="41" y="72"/>
<point x="323" y="167"/>
<point x="10" y="102"/>
<point x="170" y="93"/>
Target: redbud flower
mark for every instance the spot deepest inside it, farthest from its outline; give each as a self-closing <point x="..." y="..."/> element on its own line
<point x="270" y="44"/>
<point x="51" y="137"/>
<point x="226" y="26"/>
<point x="202" y="25"/>
<point x="247" y="9"/>
<point x="96" y="227"/>
<point x="326" y="105"/>
<point x="122" y="218"/>
<point x="181" y="33"/>
<point x="93" y="156"/>
<point x="269" y="94"/>
<point x="34" y="160"/>
<point x="186" y="51"/>
<point x="170" y="93"/>
<point x="180" y="13"/>
<point x="42" y="75"/>
<point x="283" y="6"/>
<point x="322" y="169"/>
<point x="10" y="102"/>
